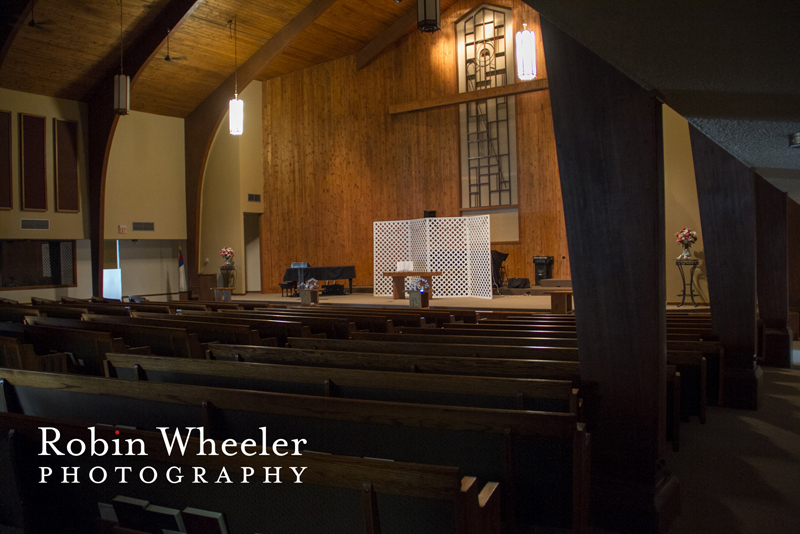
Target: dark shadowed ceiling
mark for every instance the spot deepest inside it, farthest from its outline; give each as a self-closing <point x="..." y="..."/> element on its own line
<point x="730" y="67"/>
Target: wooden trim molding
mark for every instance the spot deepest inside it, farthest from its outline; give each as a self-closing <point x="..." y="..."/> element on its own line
<point x="33" y="162"/>
<point x="470" y="96"/>
<point x="485" y="208"/>
<point x="66" y="168"/>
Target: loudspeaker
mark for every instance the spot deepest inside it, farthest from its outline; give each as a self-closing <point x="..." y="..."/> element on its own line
<point x="544" y="268"/>
<point x="333" y="289"/>
<point x="519" y="283"/>
<point x="429" y="213"/>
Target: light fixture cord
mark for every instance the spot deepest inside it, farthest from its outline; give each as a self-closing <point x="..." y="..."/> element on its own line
<point x="235" y="62"/>
<point x="121" y="71"/>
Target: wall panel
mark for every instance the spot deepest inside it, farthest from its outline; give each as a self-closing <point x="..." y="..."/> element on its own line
<point x="335" y="160"/>
<point x="6" y="190"/>
<point x="68" y="194"/>
<point x="33" y="173"/>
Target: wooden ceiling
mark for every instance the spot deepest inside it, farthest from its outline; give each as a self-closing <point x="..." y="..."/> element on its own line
<point x="72" y="44"/>
<point x="76" y="41"/>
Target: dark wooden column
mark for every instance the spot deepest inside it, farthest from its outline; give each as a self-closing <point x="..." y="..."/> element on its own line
<point x="773" y="273"/>
<point x="610" y="156"/>
<point x="103" y="121"/>
<point x="793" y="258"/>
<point x="727" y="199"/>
<point x="793" y="237"/>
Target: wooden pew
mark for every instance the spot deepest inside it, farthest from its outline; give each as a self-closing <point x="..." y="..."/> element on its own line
<point x="467" y="340"/>
<point x="534" y="348"/>
<point x="86" y="347"/>
<point x="347" y="493"/>
<point x="694" y="398"/>
<point x="541" y="458"/>
<point x="481" y="392"/>
<point x="16" y="314"/>
<point x="699" y="333"/>
<point x="207" y="332"/>
<point x="164" y="341"/>
<point x="484" y="331"/>
<point x="332" y="327"/>
<point x="63" y="312"/>
<point x="399" y="316"/>
<point x="447" y="365"/>
<point x="320" y="322"/>
<point x="495" y="350"/>
<point x="116" y="308"/>
<point x="17" y="355"/>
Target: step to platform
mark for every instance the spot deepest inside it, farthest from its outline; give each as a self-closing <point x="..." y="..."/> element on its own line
<point x="556" y="282"/>
<point x="363" y="289"/>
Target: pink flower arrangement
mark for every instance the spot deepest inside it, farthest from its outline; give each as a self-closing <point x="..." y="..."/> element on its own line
<point x="686" y="237"/>
<point x="226" y="253"/>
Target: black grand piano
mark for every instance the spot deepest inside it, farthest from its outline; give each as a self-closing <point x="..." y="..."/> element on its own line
<point x="300" y="272"/>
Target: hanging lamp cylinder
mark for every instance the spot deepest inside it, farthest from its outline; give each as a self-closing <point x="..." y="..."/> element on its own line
<point x="429" y="15"/>
<point x="526" y="54"/>
<point x="236" y="116"/>
<point x="122" y="94"/>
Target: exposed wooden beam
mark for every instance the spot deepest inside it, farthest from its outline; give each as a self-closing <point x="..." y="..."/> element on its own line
<point x="202" y="123"/>
<point x="727" y="200"/>
<point x="608" y="136"/>
<point x="470" y="96"/>
<point x="19" y="9"/>
<point x="380" y="43"/>
<point x="103" y="121"/>
<point x="772" y="273"/>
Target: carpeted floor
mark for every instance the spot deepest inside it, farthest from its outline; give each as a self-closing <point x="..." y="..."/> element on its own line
<point x="740" y="472"/>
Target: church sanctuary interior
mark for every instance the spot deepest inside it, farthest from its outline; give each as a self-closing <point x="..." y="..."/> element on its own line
<point x="399" y="266"/>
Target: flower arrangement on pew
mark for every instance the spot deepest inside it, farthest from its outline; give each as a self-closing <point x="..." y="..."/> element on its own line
<point x="686" y="238"/>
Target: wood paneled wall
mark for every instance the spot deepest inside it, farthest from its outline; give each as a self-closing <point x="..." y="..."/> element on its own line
<point x="335" y="161"/>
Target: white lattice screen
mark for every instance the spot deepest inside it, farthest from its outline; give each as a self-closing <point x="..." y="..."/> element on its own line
<point x="458" y="247"/>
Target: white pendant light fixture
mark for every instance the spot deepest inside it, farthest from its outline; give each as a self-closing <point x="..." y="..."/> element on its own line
<point x="526" y="54"/>
<point x="122" y="83"/>
<point x="236" y="106"/>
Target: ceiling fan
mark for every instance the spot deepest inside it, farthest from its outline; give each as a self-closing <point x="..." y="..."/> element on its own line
<point x="169" y="58"/>
<point x="40" y="24"/>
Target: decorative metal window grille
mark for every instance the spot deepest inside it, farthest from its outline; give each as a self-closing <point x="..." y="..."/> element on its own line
<point x="37" y="263"/>
<point x="67" y="263"/>
<point x="46" y="270"/>
<point x="488" y="127"/>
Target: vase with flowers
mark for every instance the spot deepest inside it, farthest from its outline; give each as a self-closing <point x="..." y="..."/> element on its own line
<point x="227" y="271"/>
<point x="686" y="238"/>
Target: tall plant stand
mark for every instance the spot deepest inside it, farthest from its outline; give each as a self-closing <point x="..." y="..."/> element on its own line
<point x="690" y="285"/>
